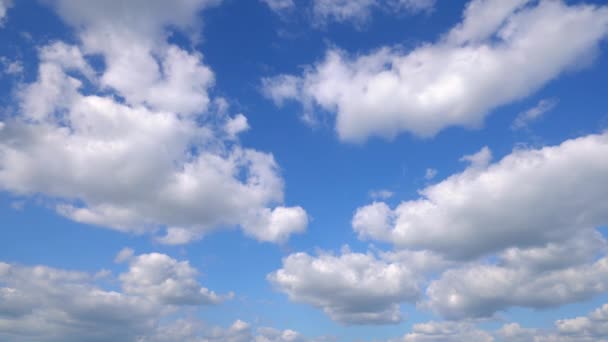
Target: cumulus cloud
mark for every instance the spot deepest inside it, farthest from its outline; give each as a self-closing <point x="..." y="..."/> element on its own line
<point x="591" y="327"/>
<point x="529" y="198"/>
<point x="480" y="290"/>
<point x="445" y="332"/>
<point x="191" y="330"/>
<point x="355" y="288"/>
<point x="518" y="232"/>
<point x="588" y="328"/>
<point x="500" y="52"/>
<point x="40" y="303"/>
<point x="166" y="280"/>
<point x="537" y="277"/>
<point x="45" y="304"/>
<point x="523" y="119"/>
<point x="139" y="146"/>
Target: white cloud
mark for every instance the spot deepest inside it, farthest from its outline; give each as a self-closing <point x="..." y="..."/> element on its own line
<point x="430" y="173"/>
<point x="382" y="194"/>
<point x="538" y="277"/>
<point x="502" y="51"/>
<point x="592" y="327"/>
<point x="41" y="303"/>
<point x="355" y="288"/>
<point x="529" y="198"/>
<point x="160" y="159"/>
<point x="166" y="280"/>
<point x="280" y="6"/>
<point x="11" y="67"/>
<point x="45" y="304"/>
<point x="125" y="254"/>
<point x="234" y="126"/>
<point x="190" y="330"/>
<point x="446" y="332"/>
<point x="523" y="119"/>
<point x="4" y="6"/>
<point x="276" y="224"/>
<point x="360" y="11"/>
<point x="357" y="11"/>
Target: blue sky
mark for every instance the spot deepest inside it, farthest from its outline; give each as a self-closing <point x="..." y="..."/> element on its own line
<point x="285" y="170"/>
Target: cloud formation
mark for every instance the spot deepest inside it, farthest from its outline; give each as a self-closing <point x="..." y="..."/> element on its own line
<point x="523" y="119"/>
<point x="139" y="145"/>
<point x="500" y="52"/>
<point x="591" y="327"/>
<point x="355" y="288"/>
<point x="529" y="198"/>
<point x="4" y="6"/>
<point x="48" y="304"/>
<point x="533" y="278"/>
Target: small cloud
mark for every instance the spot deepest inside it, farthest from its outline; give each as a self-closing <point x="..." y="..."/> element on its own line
<point x="236" y="125"/>
<point x="124" y="255"/>
<point x="18" y="205"/>
<point x="280" y="6"/>
<point x="526" y="117"/>
<point x="103" y="274"/>
<point x="382" y="194"/>
<point x="430" y="173"/>
<point x="11" y="67"/>
<point x="480" y="159"/>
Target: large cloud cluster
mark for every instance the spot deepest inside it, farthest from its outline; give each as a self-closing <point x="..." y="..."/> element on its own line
<point x="520" y="232"/>
<point x="139" y="144"/>
<point x="501" y="51"/>
<point x="42" y="303"/>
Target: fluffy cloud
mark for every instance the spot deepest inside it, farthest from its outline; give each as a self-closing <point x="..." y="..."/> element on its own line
<point x="523" y="119"/>
<point x="520" y="232"/>
<point x="355" y="288"/>
<point x="166" y="280"/>
<point x="538" y="277"/>
<point x="41" y="303"/>
<point x="529" y="198"/>
<point x="45" y="304"/>
<point x="592" y="327"/>
<point x="139" y="145"/>
<point x="445" y="332"/>
<point x="500" y="52"/>
<point x="189" y="330"/>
